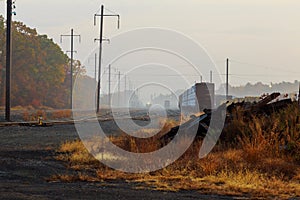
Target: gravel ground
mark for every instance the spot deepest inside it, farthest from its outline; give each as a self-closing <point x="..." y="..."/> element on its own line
<point x="27" y="160"/>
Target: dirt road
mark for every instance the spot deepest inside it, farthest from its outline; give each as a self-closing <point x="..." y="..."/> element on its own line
<point x="27" y="160"/>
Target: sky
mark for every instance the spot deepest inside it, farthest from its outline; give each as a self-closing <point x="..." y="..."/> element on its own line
<point x="260" y="37"/>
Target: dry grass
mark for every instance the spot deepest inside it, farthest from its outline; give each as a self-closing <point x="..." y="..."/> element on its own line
<point x="29" y="108"/>
<point x="34" y="116"/>
<point x="17" y="108"/>
<point x="260" y="160"/>
<point x="61" y="114"/>
<point x="224" y="173"/>
<point x="30" y="114"/>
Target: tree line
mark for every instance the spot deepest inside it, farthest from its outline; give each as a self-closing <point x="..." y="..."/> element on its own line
<point x="260" y="88"/>
<point x="40" y="69"/>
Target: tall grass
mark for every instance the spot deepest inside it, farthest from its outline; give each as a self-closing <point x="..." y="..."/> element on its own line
<point x="61" y="114"/>
<point x="34" y="116"/>
<point x="258" y="156"/>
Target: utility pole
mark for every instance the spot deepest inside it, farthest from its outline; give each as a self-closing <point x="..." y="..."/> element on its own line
<point x="72" y="58"/>
<point x="99" y="72"/>
<point x="211" y="76"/>
<point x="102" y="15"/>
<point x="8" y="60"/>
<point x="227" y="78"/>
<point x="2" y="82"/>
<point x="201" y="79"/>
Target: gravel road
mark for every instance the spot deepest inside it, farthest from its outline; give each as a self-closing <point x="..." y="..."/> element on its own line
<point x="27" y="160"/>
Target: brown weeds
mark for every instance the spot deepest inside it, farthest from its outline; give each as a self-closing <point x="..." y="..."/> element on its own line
<point x="61" y="114"/>
<point x="34" y="116"/>
<point x="261" y="159"/>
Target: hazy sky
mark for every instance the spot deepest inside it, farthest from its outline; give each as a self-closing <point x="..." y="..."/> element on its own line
<point x="262" y="35"/>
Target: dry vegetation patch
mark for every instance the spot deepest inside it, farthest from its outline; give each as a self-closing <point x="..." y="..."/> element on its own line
<point x="260" y="160"/>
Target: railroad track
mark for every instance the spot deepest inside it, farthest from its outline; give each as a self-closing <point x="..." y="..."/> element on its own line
<point x="137" y="116"/>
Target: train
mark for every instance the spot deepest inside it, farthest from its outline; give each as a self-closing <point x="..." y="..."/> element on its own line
<point x="197" y="98"/>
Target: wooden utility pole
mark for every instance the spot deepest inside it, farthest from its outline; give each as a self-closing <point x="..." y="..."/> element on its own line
<point x="102" y="15"/>
<point x="100" y="59"/>
<point x="8" y="61"/>
<point x="71" y="65"/>
<point x="227" y="78"/>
